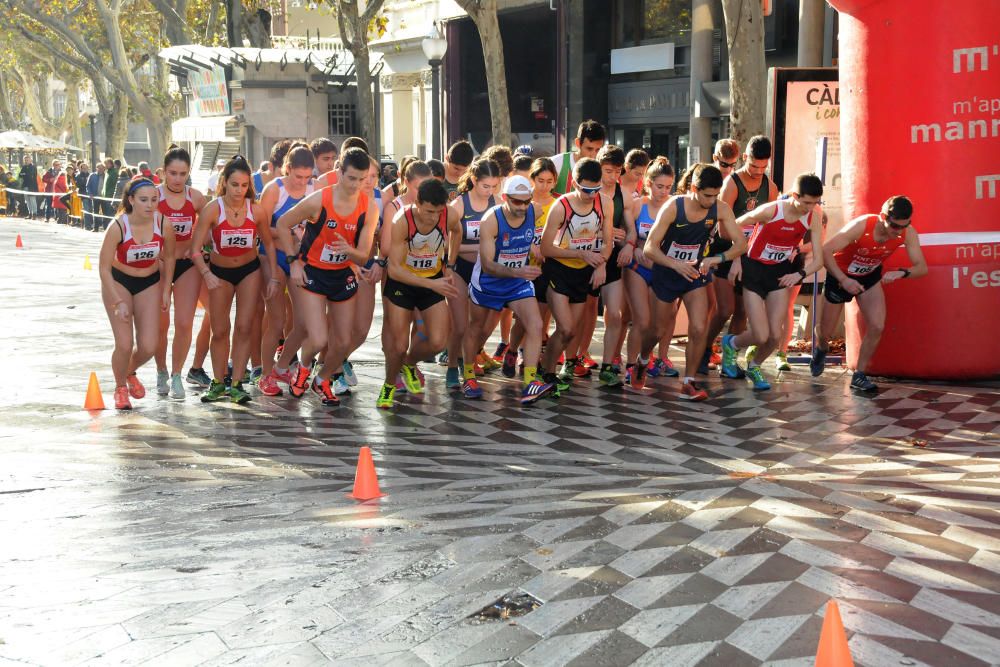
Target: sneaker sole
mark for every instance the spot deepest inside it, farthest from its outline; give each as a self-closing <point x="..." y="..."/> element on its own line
<point x="693" y="399"/>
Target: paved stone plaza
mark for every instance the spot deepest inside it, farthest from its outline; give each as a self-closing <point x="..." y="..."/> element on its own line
<point x="652" y="531"/>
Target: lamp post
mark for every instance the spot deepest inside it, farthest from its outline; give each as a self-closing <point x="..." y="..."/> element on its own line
<point x="91" y="110"/>
<point x="435" y="46"/>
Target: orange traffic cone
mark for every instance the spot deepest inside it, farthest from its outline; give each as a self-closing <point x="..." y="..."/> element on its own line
<point x="365" y="479"/>
<point x="833" y="650"/>
<point x="19" y="243"/>
<point x="94" y="399"/>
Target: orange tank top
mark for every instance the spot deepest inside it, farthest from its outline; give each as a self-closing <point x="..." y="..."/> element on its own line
<point x="317" y="243"/>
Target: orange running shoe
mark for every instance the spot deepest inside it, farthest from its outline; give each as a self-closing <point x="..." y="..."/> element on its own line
<point x="299" y="385"/>
<point x="690" y="391"/>
<point x="135" y="388"/>
<point x="121" y="399"/>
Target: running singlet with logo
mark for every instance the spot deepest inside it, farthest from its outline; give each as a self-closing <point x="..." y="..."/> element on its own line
<point x="513" y="247"/>
<point x="317" y="242"/>
<point x="687" y="240"/>
<point x="230" y="241"/>
<point x="618" y="217"/>
<point x="774" y="241"/>
<point x="746" y="201"/>
<point x="286" y="201"/>
<point x="644" y="222"/>
<point x="425" y="252"/>
<point x="139" y="255"/>
<point x="181" y="218"/>
<point x="540" y="228"/>
<point x="864" y="256"/>
<point x="579" y="232"/>
<point x="471" y="218"/>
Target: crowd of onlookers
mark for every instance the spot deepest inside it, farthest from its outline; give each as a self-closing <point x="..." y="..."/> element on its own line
<point x="69" y="191"/>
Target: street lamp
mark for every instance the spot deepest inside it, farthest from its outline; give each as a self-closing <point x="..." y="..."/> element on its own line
<point x="91" y="109"/>
<point x="435" y="46"/>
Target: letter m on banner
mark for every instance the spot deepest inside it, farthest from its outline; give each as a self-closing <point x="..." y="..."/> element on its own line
<point x="969" y="57"/>
<point x="987" y="185"/>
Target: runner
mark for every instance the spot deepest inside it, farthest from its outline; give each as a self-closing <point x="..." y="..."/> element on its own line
<point x="639" y="220"/>
<point x="476" y="188"/>
<point x="502" y="278"/>
<point x="233" y="221"/>
<point x="502" y="156"/>
<point x="339" y="227"/>
<point x="853" y="259"/>
<point x="726" y="156"/>
<point x="744" y="190"/>
<point x="280" y="195"/>
<point x="129" y="265"/>
<point x="330" y="177"/>
<point x="418" y="279"/>
<point x="324" y="155"/>
<point x="178" y="206"/>
<point x="456" y="163"/>
<point x="677" y="245"/>
<point x="590" y="138"/>
<point x="768" y="269"/>
<point x="574" y="266"/>
<point x="636" y="162"/>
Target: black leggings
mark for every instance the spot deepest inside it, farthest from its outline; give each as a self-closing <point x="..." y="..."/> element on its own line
<point x="236" y="274"/>
<point x="134" y="284"/>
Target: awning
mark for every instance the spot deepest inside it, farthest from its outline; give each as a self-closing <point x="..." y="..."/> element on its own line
<point x="17" y="139"/>
<point x="210" y="128"/>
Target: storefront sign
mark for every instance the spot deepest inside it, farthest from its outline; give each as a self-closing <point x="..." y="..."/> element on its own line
<point x="209" y="93"/>
<point x="661" y="101"/>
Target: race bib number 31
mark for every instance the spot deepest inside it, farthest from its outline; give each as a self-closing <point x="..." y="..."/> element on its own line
<point x="182" y="227"/>
<point x="237" y="238"/>
<point x="142" y="253"/>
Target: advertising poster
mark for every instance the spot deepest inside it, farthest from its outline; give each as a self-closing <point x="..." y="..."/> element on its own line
<point x="209" y="94"/>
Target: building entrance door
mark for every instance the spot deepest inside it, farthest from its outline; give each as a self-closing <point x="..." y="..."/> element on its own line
<point x="670" y="141"/>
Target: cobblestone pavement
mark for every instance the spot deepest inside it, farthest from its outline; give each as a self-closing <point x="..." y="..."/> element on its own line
<point x="652" y="532"/>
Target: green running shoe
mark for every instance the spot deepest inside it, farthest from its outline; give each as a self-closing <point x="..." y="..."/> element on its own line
<point x="748" y="356"/>
<point x="781" y="362"/>
<point x="386" y="398"/>
<point x="755" y="376"/>
<point x="609" y="378"/>
<point x="411" y="380"/>
<point x="238" y="395"/>
<point x="217" y="391"/>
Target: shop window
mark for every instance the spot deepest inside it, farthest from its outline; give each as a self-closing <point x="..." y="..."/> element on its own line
<point x="641" y="22"/>
<point x="342" y="119"/>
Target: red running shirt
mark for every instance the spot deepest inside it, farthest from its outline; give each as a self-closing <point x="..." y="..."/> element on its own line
<point x="317" y="242"/>
<point x="139" y="255"/>
<point x="182" y="219"/>
<point x="865" y="255"/>
<point x="774" y="241"/>
<point x="230" y="241"/>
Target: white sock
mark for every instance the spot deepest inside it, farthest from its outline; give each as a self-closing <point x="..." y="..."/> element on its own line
<point x="688" y="379"/>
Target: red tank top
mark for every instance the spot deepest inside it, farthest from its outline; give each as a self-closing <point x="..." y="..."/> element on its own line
<point x="183" y="218"/>
<point x="774" y="241"/>
<point x="866" y="254"/>
<point x="317" y="243"/>
<point x="230" y="241"/>
<point x="139" y="255"/>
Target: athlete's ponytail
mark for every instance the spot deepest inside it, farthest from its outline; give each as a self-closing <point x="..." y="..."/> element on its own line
<point x="479" y="169"/>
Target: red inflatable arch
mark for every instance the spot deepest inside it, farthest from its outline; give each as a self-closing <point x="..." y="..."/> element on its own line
<point x="920" y="116"/>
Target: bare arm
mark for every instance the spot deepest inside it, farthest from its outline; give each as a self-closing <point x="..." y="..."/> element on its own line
<point x="207" y="218"/>
<point x="727" y="224"/>
<point x="454" y="236"/>
<point x="169" y="259"/>
<point x="918" y="265"/>
<point x="114" y="293"/>
<point x="816" y="241"/>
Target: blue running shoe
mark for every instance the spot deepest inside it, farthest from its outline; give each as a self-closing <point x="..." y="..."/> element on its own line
<point x="471" y="389"/>
<point x="451" y="379"/>
<point x="349" y="376"/>
<point x="755" y="376"/>
<point x="729" y="367"/>
<point x="818" y="362"/>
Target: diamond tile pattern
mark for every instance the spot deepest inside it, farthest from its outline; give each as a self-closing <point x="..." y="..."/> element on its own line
<point x="655" y="532"/>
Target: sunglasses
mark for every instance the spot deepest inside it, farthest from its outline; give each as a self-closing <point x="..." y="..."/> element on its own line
<point x="895" y="225"/>
<point x="726" y="165"/>
<point x="589" y="191"/>
<point x="519" y="202"/>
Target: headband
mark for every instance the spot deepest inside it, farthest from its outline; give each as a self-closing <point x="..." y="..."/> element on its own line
<point x="141" y="183"/>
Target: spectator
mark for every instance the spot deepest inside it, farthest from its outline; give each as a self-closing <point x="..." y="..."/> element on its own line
<point x="213" y="180"/>
<point x="60" y="186"/>
<point x="110" y="183"/>
<point x="29" y="182"/>
<point x="48" y="182"/>
<point x="6" y="201"/>
<point x="124" y="175"/>
<point x="94" y="188"/>
<point x="144" y="169"/>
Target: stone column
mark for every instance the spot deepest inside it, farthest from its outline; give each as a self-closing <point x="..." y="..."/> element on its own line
<point x="811" y="22"/>
<point x="702" y="26"/>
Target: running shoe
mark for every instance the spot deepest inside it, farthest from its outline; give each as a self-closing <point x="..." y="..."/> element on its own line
<point x="666" y="368"/>
<point x="500" y="351"/>
<point x="729" y="367"/>
<point x="349" y="375"/>
<point x="410" y="379"/>
<point x="757" y="377"/>
<point x="860" y="382"/>
<point x="749" y="354"/>
<point x="781" y="362"/>
<point x="298" y="386"/>
<point x="638" y="379"/>
<point x="268" y="384"/>
<point x="135" y="388"/>
<point x="479" y="370"/>
<point x="162" y="382"/>
<point x="534" y="391"/>
<point x="386" y="398"/>
<point x="400" y="385"/>
<point x="690" y="391"/>
<point x="285" y="375"/>
<point x="581" y="370"/>
<point x="216" y="392"/>
<point x="568" y="370"/>
<point x="487" y="362"/>
<point x="714" y="360"/>
<point x="471" y="389"/>
<point x="451" y="379"/>
<point x="121" y="399"/>
<point x="588" y="361"/>
<point x="818" y="362"/>
<point x="617" y="364"/>
<point x="237" y="394"/>
<point x="255" y="374"/>
<point x="176" y="387"/>
<point x="562" y="358"/>
<point x="198" y="377"/>
<point x="443" y="358"/>
<point x="326" y="395"/>
<point x="652" y="369"/>
<point x="609" y="378"/>
<point x="340" y="386"/>
<point x="509" y="368"/>
<point x="420" y="376"/>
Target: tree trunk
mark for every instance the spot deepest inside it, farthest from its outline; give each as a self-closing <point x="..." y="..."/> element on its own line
<point x="7" y="118"/>
<point x="234" y="23"/>
<point x="484" y="14"/>
<point x="116" y="125"/>
<point x="71" y="120"/>
<point x="257" y="33"/>
<point x="33" y="106"/>
<point x="354" y="33"/>
<point x="747" y="71"/>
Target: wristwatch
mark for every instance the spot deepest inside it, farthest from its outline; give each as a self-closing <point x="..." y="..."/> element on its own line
<point x="802" y="272"/>
<point x="722" y="256"/>
<point x="906" y="273"/>
<point x="452" y="267"/>
<point x="381" y="261"/>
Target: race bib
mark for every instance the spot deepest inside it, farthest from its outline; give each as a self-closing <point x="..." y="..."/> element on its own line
<point x="241" y="239"/>
<point x="643" y="229"/>
<point x="862" y="266"/>
<point x="512" y="260"/>
<point x="421" y="262"/>
<point x="583" y="243"/>
<point x="777" y="253"/>
<point x="684" y="253"/>
<point x="472" y="230"/>
<point x="748" y="230"/>
<point x="182" y="227"/>
<point x="142" y="253"/>
<point x="331" y="256"/>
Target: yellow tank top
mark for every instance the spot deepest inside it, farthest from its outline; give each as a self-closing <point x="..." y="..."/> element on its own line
<point x="579" y="232"/>
<point x="425" y="252"/>
<point x="540" y="227"/>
